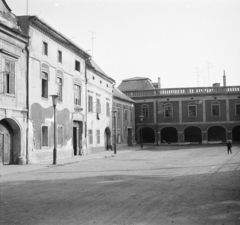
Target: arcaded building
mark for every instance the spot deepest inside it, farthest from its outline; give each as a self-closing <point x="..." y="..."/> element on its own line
<point x="193" y="115"/>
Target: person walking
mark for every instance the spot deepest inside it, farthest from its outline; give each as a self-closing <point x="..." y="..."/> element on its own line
<point x="229" y="147"/>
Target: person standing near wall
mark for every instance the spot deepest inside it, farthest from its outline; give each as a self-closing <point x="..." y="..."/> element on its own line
<point x="229" y="147"/>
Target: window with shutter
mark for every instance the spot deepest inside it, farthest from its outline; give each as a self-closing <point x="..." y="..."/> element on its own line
<point x="9" y="77"/>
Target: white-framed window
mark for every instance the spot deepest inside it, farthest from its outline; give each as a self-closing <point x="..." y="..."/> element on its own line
<point x="168" y="111"/>
<point x="9" y="77"/>
<point x="215" y="110"/>
<point x="125" y="114"/>
<point x="77" y="65"/>
<point x="98" y="136"/>
<point x="145" y="111"/>
<point x="90" y="137"/>
<point x="98" y="106"/>
<point x="44" y="84"/>
<point x="44" y="134"/>
<point x="45" y="48"/>
<point x="60" y="135"/>
<point x="77" y="94"/>
<point x="59" y="88"/>
<point x="192" y="111"/>
<point x="90" y="103"/>
<point x="237" y="109"/>
<point x="59" y="56"/>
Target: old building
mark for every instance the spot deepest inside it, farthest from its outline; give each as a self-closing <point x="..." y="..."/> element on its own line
<point x="99" y="94"/>
<point x="55" y="66"/>
<point x="124" y="119"/>
<point x="13" y="89"/>
<point x="192" y="115"/>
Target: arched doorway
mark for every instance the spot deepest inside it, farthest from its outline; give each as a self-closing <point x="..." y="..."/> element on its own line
<point x="236" y="133"/>
<point x="10" y="141"/>
<point x="148" y="135"/>
<point x="193" y="134"/>
<point x="217" y="133"/>
<point x="169" y="134"/>
<point x="107" y="138"/>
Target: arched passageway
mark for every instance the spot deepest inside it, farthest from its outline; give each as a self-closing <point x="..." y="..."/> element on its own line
<point x="169" y="134"/>
<point x="217" y="133"/>
<point x="148" y="135"/>
<point x="107" y="138"/>
<point x="193" y="134"/>
<point x="10" y="141"/>
<point x="236" y="133"/>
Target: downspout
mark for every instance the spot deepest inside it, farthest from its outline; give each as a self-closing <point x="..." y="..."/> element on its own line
<point x="157" y="122"/>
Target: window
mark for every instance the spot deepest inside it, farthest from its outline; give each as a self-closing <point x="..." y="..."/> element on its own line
<point x="77" y="65"/>
<point x="60" y="135"/>
<point x="59" y="56"/>
<point x="45" y="48"/>
<point x="145" y="111"/>
<point x="44" y="136"/>
<point x="118" y="112"/>
<point x="125" y="114"/>
<point x="98" y="106"/>
<point x="98" y="136"/>
<point x="237" y="109"/>
<point x="192" y="110"/>
<point x="9" y="77"/>
<point x="168" y="111"/>
<point x="44" y="84"/>
<point x="59" y="88"/>
<point x="90" y="136"/>
<point x="108" y="109"/>
<point x="77" y="94"/>
<point x="90" y="103"/>
<point x="215" y="110"/>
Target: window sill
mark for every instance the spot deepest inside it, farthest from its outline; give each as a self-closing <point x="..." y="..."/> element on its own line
<point x="78" y="108"/>
<point x="10" y="95"/>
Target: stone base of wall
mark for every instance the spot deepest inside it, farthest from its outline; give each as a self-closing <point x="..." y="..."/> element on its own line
<point x="44" y="155"/>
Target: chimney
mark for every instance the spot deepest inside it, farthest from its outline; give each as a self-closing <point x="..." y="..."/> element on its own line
<point x="159" y="83"/>
<point x="216" y="85"/>
<point x="224" y="79"/>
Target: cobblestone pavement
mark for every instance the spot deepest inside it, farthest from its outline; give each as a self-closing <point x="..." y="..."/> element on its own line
<point x="156" y="185"/>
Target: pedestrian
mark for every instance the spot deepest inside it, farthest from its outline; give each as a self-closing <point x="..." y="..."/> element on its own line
<point x="229" y="147"/>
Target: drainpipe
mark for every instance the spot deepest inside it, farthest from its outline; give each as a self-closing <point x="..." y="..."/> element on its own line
<point x="157" y="122"/>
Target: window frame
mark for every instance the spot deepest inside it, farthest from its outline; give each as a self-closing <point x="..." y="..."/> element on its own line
<point x="9" y="77"/>
<point x="145" y="111"/>
<point x="59" y="56"/>
<point x="77" y="65"/>
<point x="107" y="109"/>
<point x="98" y="106"/>
<point x="90" y="103"/>
<point x="118" y="112"/>
<point x="125" y="114"/>
<point x="195" y="108"/>
<point x="90" y="137"/>
<point x="168" y="106"/>
<point x="43" y="141"/>
<point x="45" y="80"/>
<point x="236" y="111"/>
<point x="77" y="94"/>
<point x="219" y="109"/>
<point x="98" y="137"/>
<point x="45" y="48"/>
<point x="60" y="88"/>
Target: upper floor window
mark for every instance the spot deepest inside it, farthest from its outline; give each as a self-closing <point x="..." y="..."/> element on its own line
<point x="168" y="111"/>
<point x="44" y="84"/>
<point x="192" y="110"/>
<point x="145" y="111"/>
<point x="90" y="136"/>
<point x="108" y="109"/>
<point x="59" y="56"/>
<point x="98" y="136"/>
<point x="77" y="65"/>
<point x="215" y="110"/>
<point x="98" y="106"/>
<point x="44" y="136"/>
<point x="9" y="77"/>
<point x="59" y="88"/>
<point x="45" y="48"/>
<point x="125" y="114"/>
<point x="77" y="94"/>
<point x="238" y="109"/>
<point x="90" y="103"/>
<point x="118" y="112"/>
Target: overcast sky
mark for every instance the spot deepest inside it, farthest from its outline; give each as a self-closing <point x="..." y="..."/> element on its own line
<point x="188" y="43"/>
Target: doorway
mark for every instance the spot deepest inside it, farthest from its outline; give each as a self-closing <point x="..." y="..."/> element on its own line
<point x="77" y="137"/>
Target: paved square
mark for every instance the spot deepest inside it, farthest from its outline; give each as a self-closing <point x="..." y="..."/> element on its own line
<point x="157" y="185"/>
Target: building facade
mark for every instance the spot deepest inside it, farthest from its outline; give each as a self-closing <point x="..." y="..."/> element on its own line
<point x="56" y="66"/>
<point x="124" y="119"/>
<point x="192" y="115"/>
<point x="13" y="89"/>
<point x="99" y="94"/>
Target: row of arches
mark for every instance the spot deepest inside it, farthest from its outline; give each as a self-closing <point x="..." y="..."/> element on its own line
<point x="190" y="134"/>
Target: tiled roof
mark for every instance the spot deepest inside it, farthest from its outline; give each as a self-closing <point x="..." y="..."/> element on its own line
<point x="136" y="83"/>
<point x="118" y="94"/>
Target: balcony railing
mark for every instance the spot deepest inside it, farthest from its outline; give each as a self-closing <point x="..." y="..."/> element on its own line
<point x="183" y="91"/>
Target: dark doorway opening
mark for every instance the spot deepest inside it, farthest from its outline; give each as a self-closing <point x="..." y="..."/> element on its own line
<point x="107" y="139"/>
<point x="217" y="133"/>
<point x="129" y="138"/>
<point x="236" y="133"/>
<point x="169" y="134"/>
<point x="193" y="134"/>
<point x="77" y="137"/>
<point x="148" y="135"/>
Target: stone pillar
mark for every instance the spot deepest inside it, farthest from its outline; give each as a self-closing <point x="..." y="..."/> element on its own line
<point x="204" y="137"/>
<point x="180" y="136"/>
